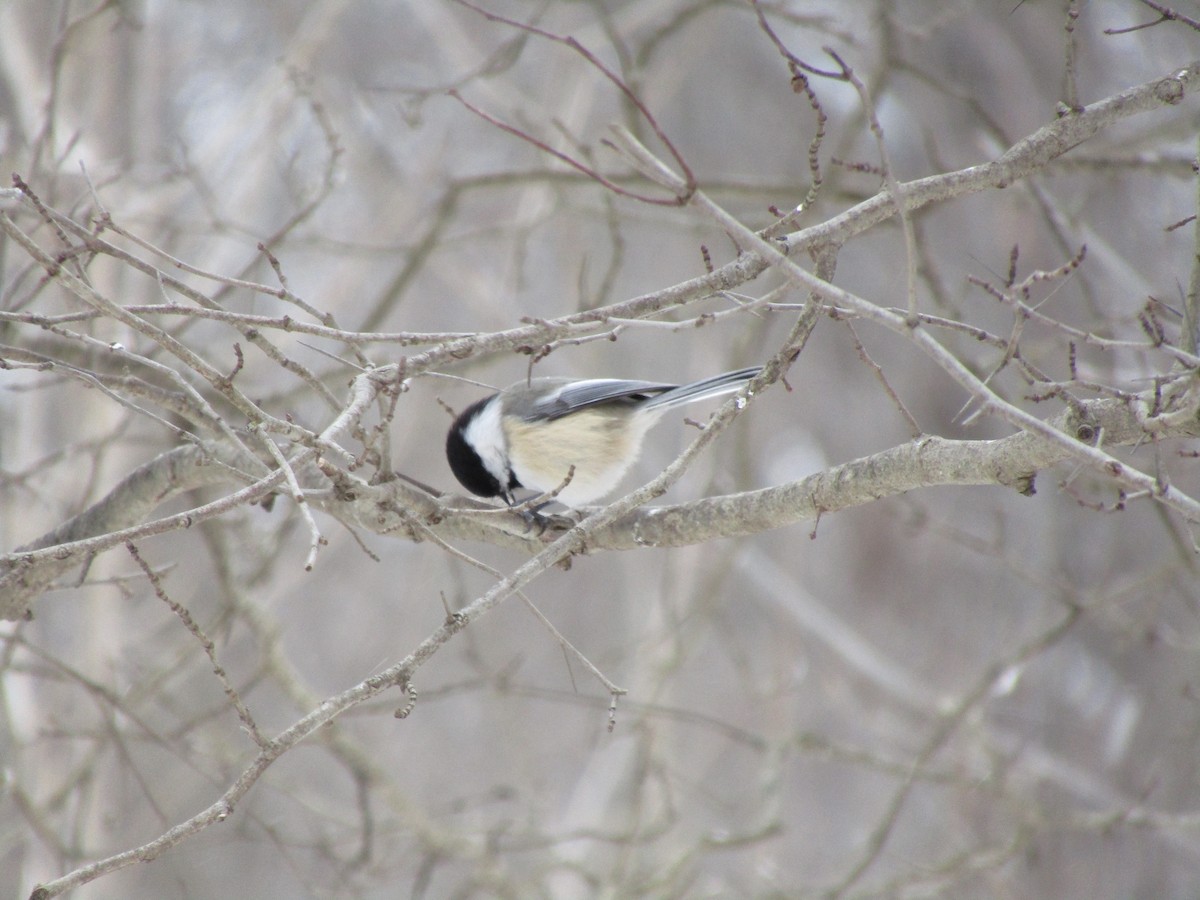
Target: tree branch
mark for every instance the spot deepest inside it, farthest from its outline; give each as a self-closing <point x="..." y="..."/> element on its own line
<point x="1011" y="462"/>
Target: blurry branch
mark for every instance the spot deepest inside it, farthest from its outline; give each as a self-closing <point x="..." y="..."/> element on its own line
<point x="950" y="722"/>
<point x="801" y="84"/>
<point x="1071" y="88"/>
<point x="892" y="186"/>
<point x="223" y="806"/>
<point x="1191" y="307"/>
<point x="1165" y="14"/>
<point x="568" y="648"/>
<point x="206" y="643"/>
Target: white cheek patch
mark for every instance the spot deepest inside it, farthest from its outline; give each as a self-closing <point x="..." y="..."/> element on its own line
<point x="485" y="434"/>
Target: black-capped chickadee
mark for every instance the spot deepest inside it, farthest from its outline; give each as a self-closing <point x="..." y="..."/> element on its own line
<point x="530" y="434"/>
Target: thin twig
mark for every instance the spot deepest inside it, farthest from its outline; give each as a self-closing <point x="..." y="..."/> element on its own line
<point x="892" y="184"/>
<point x="205" y="642"/>
<point x="318" y="540"/>
<point x="630" y="94"/>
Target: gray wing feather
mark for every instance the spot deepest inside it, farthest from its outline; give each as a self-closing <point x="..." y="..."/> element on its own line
<point x="580" y="394"/>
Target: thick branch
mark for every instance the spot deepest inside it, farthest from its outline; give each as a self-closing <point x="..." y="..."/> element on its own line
<point x="27" y="572"/>
<point x="1011" y="462"/>
<point x="931" y="461"/>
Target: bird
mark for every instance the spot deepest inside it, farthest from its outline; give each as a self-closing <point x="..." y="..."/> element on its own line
<point x="536" y="433"/>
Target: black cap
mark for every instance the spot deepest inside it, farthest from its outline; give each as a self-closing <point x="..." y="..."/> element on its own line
<point x="465" y="463"/>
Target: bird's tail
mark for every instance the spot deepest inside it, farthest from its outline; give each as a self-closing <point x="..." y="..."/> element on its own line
<point x="702" y="390"/>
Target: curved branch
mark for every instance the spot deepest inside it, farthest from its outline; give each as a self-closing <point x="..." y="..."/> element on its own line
<point x="930" y="461"/>
<point x="31" y="569"/>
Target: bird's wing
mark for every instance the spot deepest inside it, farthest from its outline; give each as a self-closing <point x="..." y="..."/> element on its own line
<point x="579" y="394"/>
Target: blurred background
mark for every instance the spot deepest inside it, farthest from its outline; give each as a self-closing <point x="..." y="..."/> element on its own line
<point x="956" y="692"/>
